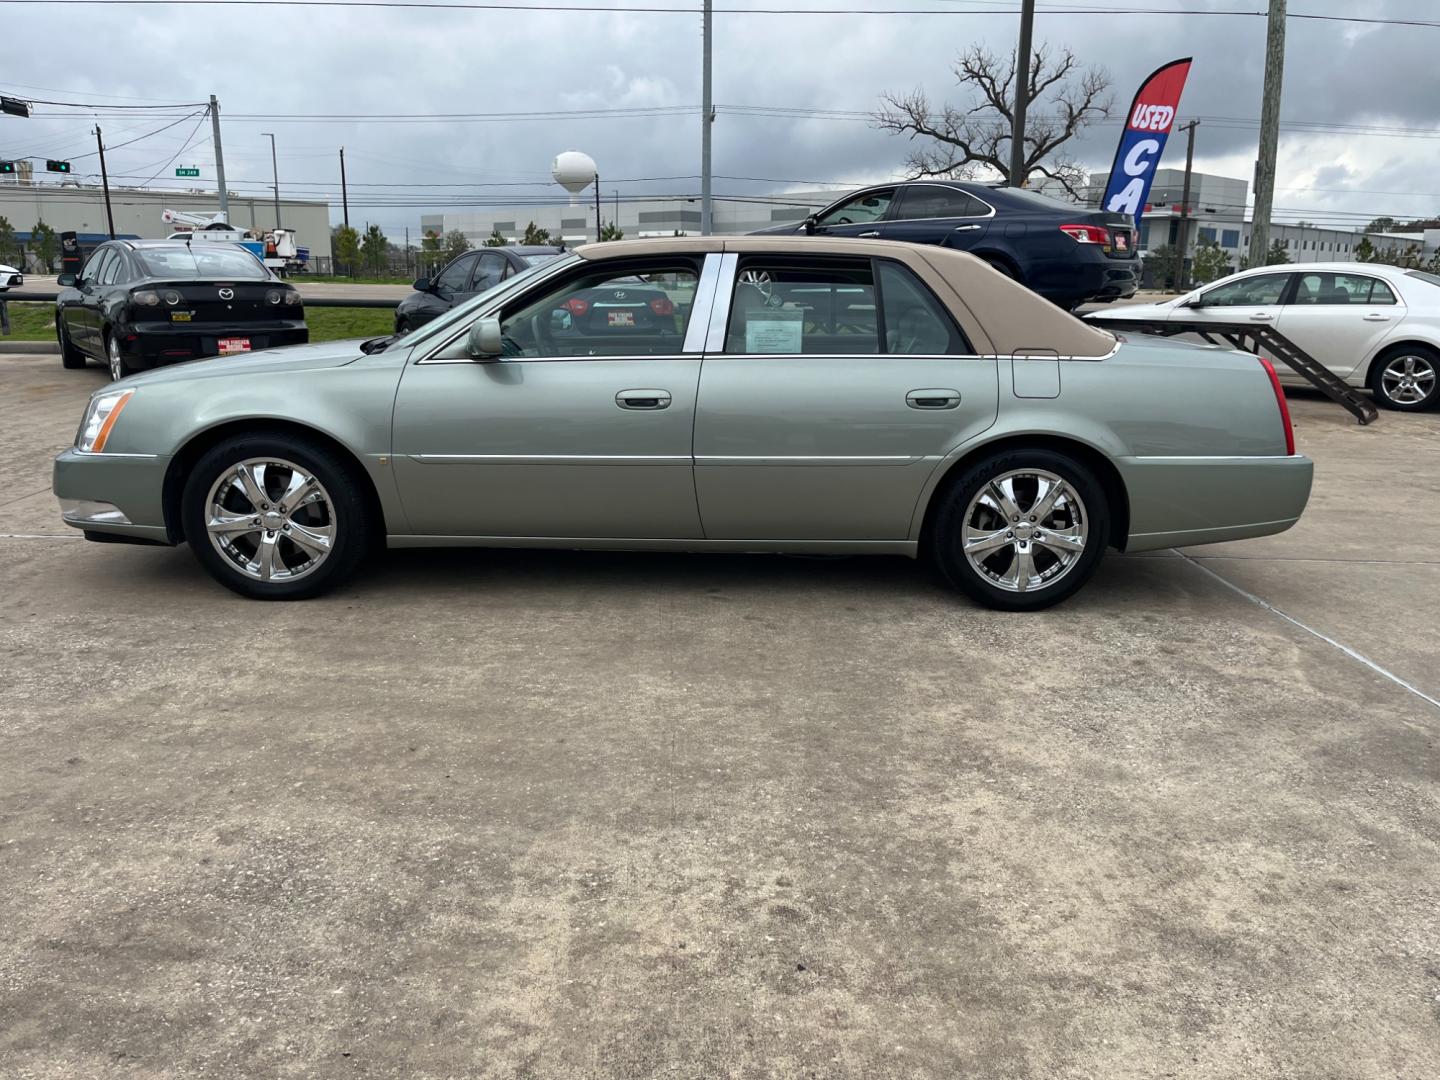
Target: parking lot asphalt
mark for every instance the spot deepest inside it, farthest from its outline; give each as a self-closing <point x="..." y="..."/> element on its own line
<point x="515" y="814"/>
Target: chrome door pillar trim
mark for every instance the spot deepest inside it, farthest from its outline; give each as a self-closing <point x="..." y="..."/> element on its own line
<point x="699" y="325"/>
<point x="720" y="308"/>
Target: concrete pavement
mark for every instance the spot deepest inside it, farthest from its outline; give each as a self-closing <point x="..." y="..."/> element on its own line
<point x="510" y="814"/>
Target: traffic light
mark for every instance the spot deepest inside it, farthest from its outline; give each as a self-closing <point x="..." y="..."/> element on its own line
<point x="14" y="106"/>
<point x="7" y="168"/>
<point x="51" y="165"/>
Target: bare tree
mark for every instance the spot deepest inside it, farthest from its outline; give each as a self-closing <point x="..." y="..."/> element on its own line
<point x="967" y="141"/>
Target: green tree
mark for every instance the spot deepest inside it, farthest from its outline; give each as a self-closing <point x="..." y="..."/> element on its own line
<point x="455" y="245"/>
<point x="1277" y="255"/>
<point x="611" y="231"/>
<point x="1382" y="224"/>
<point x="1160" y="266"/>
<point x="1210" y="262"/>
<point x="1433" y="266"/>
<point x="45" y="244"/>
<point x="9" y="246"/>
<point x="1365" y="250"/>
<point x="495" y="239"/>
<point x="374" y="249"/>
<point x="534" y="235"/>
<point x="346" y="246"/>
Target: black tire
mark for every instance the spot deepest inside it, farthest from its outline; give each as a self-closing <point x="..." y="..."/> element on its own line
<point x="351" y="522"/>
<point x="997" y="263"/>
<point x="402" y="326"/>
<point x="948" y="525"/>
<point x="1389" y="375"/>
<point x="70" y="356"/>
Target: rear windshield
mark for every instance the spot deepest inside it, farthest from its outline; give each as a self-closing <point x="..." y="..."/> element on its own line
<point x="1433" y="279"/>
<point x="207" y="260"/>
<point x="537" y="260"/>
<point x="1035" y="199"/>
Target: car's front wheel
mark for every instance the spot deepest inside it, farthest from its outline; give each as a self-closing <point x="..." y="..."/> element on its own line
<point x="1021" y="530"/>
<point x="1407" y="378"/>
<point x="275" y="517"/>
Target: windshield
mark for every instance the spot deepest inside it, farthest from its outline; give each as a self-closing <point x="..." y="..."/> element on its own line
<point x="1432" y="279"/>
<point x="202" y="261"/>
<point x="463" y="313"/>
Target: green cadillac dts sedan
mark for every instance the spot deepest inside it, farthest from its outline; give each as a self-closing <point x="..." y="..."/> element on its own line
<point x="782" y="394"/>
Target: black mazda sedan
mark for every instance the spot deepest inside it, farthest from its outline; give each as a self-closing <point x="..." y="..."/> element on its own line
<point x="1068" y="254"/>
<point x="466" y="276"/>
<point x="139" y="304"/>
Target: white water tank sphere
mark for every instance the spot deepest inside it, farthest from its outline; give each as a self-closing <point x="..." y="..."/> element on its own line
<point x="573" y="171"/>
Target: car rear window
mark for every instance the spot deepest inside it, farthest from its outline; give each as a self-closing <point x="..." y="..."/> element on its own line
<point x="539" y="260"/>
<point x="202" y="261"/>
<point x="1431" y="279"/>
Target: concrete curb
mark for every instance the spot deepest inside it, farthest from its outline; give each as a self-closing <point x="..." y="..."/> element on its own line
<point x="31" y="347"/>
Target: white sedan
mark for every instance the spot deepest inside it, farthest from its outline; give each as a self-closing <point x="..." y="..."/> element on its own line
<point x="10" y="276"/>
<point x="1372" y="325"/>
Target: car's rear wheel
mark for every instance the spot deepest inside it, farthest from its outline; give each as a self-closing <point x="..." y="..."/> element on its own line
<point x="70" y="356"/>
<point x="275" y="517"/>
<point x="997" y="263"/>
<point x="1407" y="378"/>
<point x="1021" y="529"/>
<point x="114" y="359"/>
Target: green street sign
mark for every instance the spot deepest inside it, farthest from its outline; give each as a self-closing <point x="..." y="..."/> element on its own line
<point x="187" y="172"/>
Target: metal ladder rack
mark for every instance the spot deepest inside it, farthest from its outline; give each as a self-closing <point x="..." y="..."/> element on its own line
<point x="1252" y="338"/>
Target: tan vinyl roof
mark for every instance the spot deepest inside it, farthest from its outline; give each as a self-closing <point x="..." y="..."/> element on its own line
<point x="999" y="315"/>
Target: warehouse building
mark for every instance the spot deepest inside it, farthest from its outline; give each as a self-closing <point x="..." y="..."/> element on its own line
<point x="80" y="208"/>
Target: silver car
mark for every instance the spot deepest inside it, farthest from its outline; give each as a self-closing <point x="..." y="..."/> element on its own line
<point x="785" y="394"/>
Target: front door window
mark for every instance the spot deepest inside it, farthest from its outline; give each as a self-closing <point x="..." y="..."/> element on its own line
<point x="862" y="209"/>
<point x="641" y="310"/>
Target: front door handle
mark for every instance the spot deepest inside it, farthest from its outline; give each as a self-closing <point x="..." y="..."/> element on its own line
<point x="1260" y="317"/>
<point x="933" y="399"/>
<point x="1375" y="316"/>
<point x="866" y="235"/>
<point x="646" y="400"/>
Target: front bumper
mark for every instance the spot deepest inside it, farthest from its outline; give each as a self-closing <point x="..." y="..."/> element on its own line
<point x="11" y="281"/>
<point x="115" y="495"/>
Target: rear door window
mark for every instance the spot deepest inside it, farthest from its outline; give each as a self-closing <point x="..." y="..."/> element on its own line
<point x="933" y="201"/>
<point x="803" y="306"/>
<point x="1332" y="290"/>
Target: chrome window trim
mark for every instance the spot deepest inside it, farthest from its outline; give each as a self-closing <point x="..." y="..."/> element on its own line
<point x="109" y="454"/>
<point x="720" y="306"/>
<point x="562" y="359"/>
<point x="698" y="329"/>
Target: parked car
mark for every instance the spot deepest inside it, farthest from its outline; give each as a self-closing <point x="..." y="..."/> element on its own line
<point x="463" y="278"/>
<point x="138" y="304"/>
<point x="952" y="415"/>
<point x="10" y="278"/>
<point x="1068" y="254"/>
<point x="1372" y="325"/>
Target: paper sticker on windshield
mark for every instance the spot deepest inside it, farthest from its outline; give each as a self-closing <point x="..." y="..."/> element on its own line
<point x="775" y="332"/>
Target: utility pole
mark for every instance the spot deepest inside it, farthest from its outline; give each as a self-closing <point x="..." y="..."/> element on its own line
<point x="344" y="198"/>
<point x="105" y="183"/>
<point x="1183" y="241"/>
<point x="1022" y="95"/>
<point x="407" y="250"/>
<point x="707" y="118"/>
<point x="1269" y="133"/>
<point x="275" y="176"/>
<point x="219" y="159"/>
<point x="597" y="207"/>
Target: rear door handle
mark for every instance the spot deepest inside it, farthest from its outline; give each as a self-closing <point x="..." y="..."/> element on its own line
<point x="1258" y="317"/>
<point x="965" y="228"/>
<point x="1375" y="316"/>
<point x="866" y="235"/>
<point x="940" y="398"/>
<point x="646" y="400"/>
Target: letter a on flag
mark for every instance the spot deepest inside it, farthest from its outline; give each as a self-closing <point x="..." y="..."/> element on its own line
<point x="1147" y="126"/>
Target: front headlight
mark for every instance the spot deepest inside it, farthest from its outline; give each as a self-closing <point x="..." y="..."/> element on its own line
<point x="100" y="420"/>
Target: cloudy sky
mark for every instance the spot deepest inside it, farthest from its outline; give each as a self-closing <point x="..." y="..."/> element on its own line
<point x="1362" y="101"/>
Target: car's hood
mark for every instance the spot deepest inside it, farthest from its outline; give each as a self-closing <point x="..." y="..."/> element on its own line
<point x="6" y="268"/>
<point x="288" y="358"/>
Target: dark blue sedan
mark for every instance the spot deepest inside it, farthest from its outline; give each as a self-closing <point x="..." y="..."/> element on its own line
<point x="1068" y="254"/>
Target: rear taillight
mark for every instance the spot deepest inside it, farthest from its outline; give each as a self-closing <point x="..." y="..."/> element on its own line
<point x="145" y="297"/>
<point x="576" y="306"/>
<point x="1280" y="400"/>
<point x="1087" y="234"/>
<point x="662" y="306"/>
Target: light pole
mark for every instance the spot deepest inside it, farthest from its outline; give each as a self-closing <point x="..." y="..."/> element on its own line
<point x="275" y="176"/>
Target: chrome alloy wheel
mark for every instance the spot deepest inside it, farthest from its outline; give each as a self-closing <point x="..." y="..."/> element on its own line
<point x="1408" y="380"/>
<point x="1025" y="530"/>
<point x="270" y="519"/>
<point x="117" y="365"/>
<point x="760" y="280"/>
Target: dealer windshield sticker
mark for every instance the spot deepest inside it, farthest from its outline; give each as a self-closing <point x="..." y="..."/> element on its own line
<point x="775" y="332"/>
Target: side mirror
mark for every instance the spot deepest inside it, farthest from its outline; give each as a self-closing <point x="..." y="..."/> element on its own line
<point x="1192" y="302"/>
<point x="67" y="281"/>
<point x="810" y="223"/>
<point x="484" y="341"/>
<point x="422" y="285"/>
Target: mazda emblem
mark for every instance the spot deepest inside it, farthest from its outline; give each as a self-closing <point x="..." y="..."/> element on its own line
<point x="227" y="294"/>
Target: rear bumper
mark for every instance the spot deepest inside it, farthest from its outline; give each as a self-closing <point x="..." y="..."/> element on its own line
<point x="1180" y="501"/>
<point x="112" y="494"/>
<point x="1091" y="275"/>
<point x="153" y="344"/>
